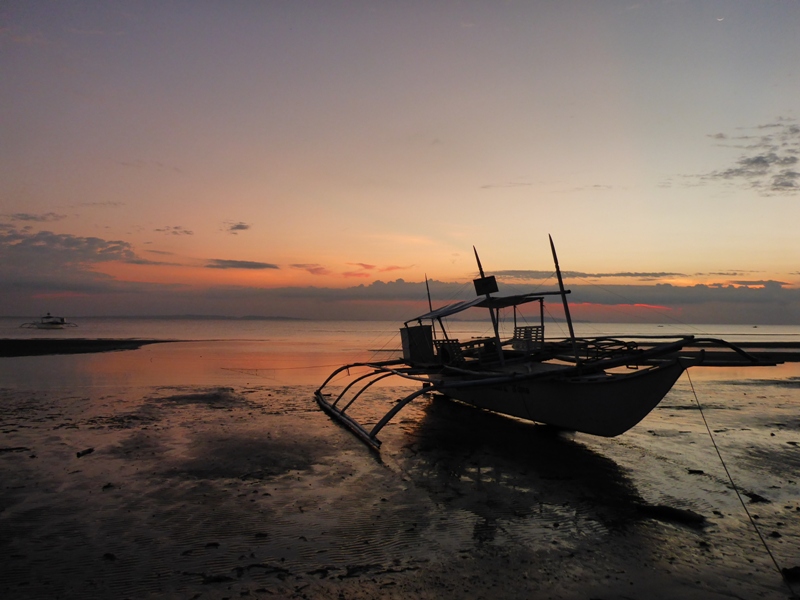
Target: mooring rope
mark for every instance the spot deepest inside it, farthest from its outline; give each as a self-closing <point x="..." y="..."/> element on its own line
<point x="736" y="489"/>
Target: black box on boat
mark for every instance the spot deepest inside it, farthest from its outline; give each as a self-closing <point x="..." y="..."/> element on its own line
<point x="417" y="344"/>
<point x="485" y="285"/>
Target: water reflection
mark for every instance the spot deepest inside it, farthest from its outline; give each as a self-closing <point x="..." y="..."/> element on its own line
<point x="516" y="476"/>
<point x="224" y="362"/>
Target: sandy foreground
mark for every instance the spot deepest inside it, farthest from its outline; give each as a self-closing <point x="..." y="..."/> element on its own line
<point x="250" y="491"/>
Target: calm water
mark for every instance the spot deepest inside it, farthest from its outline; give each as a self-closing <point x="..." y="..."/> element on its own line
<point x="230" y="352"/>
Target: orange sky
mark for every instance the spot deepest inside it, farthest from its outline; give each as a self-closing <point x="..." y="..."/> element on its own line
<point x="154" y="151"/>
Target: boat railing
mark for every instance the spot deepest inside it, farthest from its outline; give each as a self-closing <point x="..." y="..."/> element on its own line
<point x="601" y="348"/>
<point x="450" y="352"/>
<point x="528" y="338"/>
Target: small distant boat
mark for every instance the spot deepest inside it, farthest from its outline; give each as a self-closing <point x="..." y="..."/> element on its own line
<point x="49" y="322"/>
<point x="600" y="386"/>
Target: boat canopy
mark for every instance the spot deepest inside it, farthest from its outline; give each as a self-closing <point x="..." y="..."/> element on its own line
<point x="493" y="302"/>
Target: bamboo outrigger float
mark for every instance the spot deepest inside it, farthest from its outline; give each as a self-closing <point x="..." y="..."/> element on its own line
<point x="600" y="386"/>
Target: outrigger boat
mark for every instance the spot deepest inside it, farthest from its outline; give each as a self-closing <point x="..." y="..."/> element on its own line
<point x="49" y="322"/>
<point x="600" y="386"/>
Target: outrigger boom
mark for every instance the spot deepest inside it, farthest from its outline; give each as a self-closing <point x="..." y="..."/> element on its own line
<point x="600" y="386"/>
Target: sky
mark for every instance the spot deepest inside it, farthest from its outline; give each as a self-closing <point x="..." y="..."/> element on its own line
<point x="320" y="159"/>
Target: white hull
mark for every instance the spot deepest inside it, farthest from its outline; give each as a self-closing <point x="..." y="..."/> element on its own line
<point x="606" y="405"/>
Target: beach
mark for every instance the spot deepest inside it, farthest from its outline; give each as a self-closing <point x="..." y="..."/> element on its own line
<point x="200" y="479"/>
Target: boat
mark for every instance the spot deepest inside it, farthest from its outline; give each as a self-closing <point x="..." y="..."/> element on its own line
<point x="49" y="322"/>
<point x="600" y="386"/>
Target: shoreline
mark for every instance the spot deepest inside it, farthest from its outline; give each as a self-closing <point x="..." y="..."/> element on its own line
<point x="10" y="348"/>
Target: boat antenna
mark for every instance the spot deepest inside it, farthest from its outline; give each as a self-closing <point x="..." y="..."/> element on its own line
<point x="478" y="258"/>
<point x="564" y="300"/>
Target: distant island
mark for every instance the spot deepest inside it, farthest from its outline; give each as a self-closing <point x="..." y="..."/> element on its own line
<point x="198" y="317"/>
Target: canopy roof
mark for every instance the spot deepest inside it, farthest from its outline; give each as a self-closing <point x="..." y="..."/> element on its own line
<point x="485" y="302"/>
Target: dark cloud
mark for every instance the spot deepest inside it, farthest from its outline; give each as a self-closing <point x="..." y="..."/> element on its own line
<point x="175" y="230"/>
<point x="217" y="263"/>
<point x="764" y="302"/>
<point x="787" y="180"/>
<point x="665" y="294"/>
<point x="398" y="290"/>
<point x="30" y="250"/>
<point x="726" y="273"/>
<point x="770" y="301"/>
<point x="527" y="275"/>
<point x="312" y="268"/>
<point x="146" y="261"/>
<point x="760" y="283"/>
<point x="44" y="262"/>
<point x="767" y="165"/>
<point x="365" y="266"/>
<point x="235" y="228"/>
<point x="38" y="218"/>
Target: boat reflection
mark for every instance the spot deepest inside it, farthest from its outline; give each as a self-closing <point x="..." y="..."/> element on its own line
<point x="516" y="477"/>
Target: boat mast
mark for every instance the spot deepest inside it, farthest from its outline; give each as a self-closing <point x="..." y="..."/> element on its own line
<point x="487" y="285"/>
<point x="430" y="306"/>
<point x="566" y="304"/>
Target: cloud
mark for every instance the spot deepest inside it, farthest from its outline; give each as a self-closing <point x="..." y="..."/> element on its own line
<point x="770" y="302"/>
<point x="527" y="275"/>
<point x="38" y="250"/>
<point x="350" y="274"/>
<point x="787" y="180"/>
<point x="394" y="268"/>
<point x="666" y="294"/>
<point x="36" y="263"/>
<point x="365" y="266"/>
<point x="734" y="273"/>
<point x="147" y="261"/>
<point x="235" y="228"/>
<point x="217" y="263"/>
<point x="175" y="230"/>
<point x="760" y="283"/>
<point x="66" y="273"/>
<point x="769" y="165"/>
<point x="314" y="268"/>
<point x="38" y="218"/>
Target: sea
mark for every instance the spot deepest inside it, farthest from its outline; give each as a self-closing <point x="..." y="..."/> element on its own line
<point x="224" y="351"/>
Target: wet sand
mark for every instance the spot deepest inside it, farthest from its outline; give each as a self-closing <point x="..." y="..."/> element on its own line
<point x="47" y="346"/>
<point x="251" y="491"/>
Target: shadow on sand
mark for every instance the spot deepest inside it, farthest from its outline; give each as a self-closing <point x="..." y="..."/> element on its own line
<point x="499" y="469"/>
